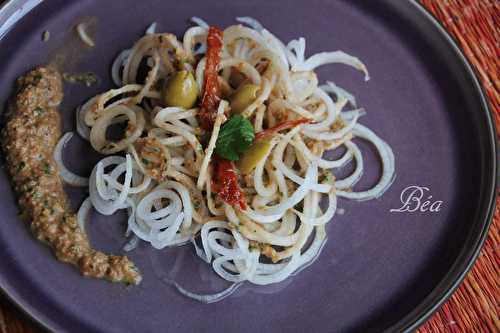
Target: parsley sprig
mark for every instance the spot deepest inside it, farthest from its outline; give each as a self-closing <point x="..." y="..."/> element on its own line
<point x="235" y="136"/>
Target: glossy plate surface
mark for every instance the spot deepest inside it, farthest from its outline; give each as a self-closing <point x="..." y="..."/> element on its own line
<point x="380" y="270"/>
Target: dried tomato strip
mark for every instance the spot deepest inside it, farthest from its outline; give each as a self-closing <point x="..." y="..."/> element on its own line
<point x="212" y="91"/>
<point x="280" y="127"/>
<point x="227" y="185"/>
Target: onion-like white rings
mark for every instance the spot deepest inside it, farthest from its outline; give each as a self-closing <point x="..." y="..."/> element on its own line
<point x="95" y="111"/>
<point x="283" y="190"/>
<point x="209" y="298"/>
<point x="326" y="217"/>
<point x="200" y="22"/>
<point x="111" y="180"/>
<point x="151" y="29"/>
<point x="84" y="36"/>
<point x="204" y="235"/>
<point x="276" y="46"/>
<point x="98" y="133"/>
<point x="244" y="67"/>
<point x="324" y="58"/>
<point x="333" y="135"/>
<point x="280" y="104"/>
<point x="66" y="175"/>
<point x="132" y="244"/>
<point x="322" y="163"/>
<point x="156" y="219"/>
<point x="387" y="157"/>
<point x="256" y="232"/>
<point x="287" y="269"/>
<point x="82" y="216"/>
<point x="81" y="127"/>
<point x="234" y="32"/>
<point x="333" y="111"/>
<point x="339" y="92"/>
<point x="314" y="250"/>
<point x="117" y="201"/>
<point x="143" y="46"/>
<point x="304" y="84"/>
<point x="164" y="238"/>
<point x="118" y="65"/>
<point x="250" y="21"/>
<point x="297" y="57"/>
<point x="351" y="180"/>
<point x="185" y="198"/>
<point x="273" y="213"/>
<point x="192" y="36"/>
<point x="288" y="172"/>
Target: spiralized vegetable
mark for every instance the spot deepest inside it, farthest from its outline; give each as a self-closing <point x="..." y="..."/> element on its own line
<point x="66" y="175"/>
<point x="166" y="179"/>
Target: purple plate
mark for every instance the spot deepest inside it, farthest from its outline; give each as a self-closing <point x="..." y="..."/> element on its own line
<point x="380" y="270"/>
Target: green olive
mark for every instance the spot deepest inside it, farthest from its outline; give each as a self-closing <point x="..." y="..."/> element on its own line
<point x="243" y="97"/>
<point x="253" y="155"/>
<point x="180" y="90"/>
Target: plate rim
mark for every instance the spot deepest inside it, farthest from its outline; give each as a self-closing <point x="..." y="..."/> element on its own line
<point x="453" y="278"/>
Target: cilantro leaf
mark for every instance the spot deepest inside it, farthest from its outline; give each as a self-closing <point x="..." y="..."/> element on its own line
<point x="235" y="136"/>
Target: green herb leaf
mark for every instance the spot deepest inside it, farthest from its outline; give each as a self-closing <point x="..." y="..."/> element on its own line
<point x="39" y="111"/>
<point x="196" y="204"/>
<point x="37" y="78"/>
<point x="88" y="79"/>
<point x="235" y="136"/>
<point x="21" y="166"/>
<point x="47" y="168"/>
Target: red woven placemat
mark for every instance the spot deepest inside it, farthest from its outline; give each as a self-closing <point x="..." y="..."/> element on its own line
<point x="474" y="307"/>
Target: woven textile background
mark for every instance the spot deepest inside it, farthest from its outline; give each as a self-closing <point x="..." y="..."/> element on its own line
<point x="474" y="307"/>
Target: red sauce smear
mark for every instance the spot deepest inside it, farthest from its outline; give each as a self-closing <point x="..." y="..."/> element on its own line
<point x="281" y="127"/>
<point x="226" y="184"/>
<point x="212" y="91"/>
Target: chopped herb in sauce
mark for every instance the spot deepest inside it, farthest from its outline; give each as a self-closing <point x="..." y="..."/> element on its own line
<point x="47" y="169"/>
<point x="36" y="79"/>
<point x="21" y="166"/>
<point x="196" y="204"/>
<point x="41" y="196"/>
<point x="89" y="78"/>
<point x="327" y="178"/>
<point x="39" y="111"/>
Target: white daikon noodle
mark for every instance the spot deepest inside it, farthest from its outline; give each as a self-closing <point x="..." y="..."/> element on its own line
<point x="164" y="177"/>
<point x="67" y="176"/>
<point x="81" y="29"/>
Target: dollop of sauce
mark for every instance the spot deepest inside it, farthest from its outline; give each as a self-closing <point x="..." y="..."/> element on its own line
<point x="29" y="137"/>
